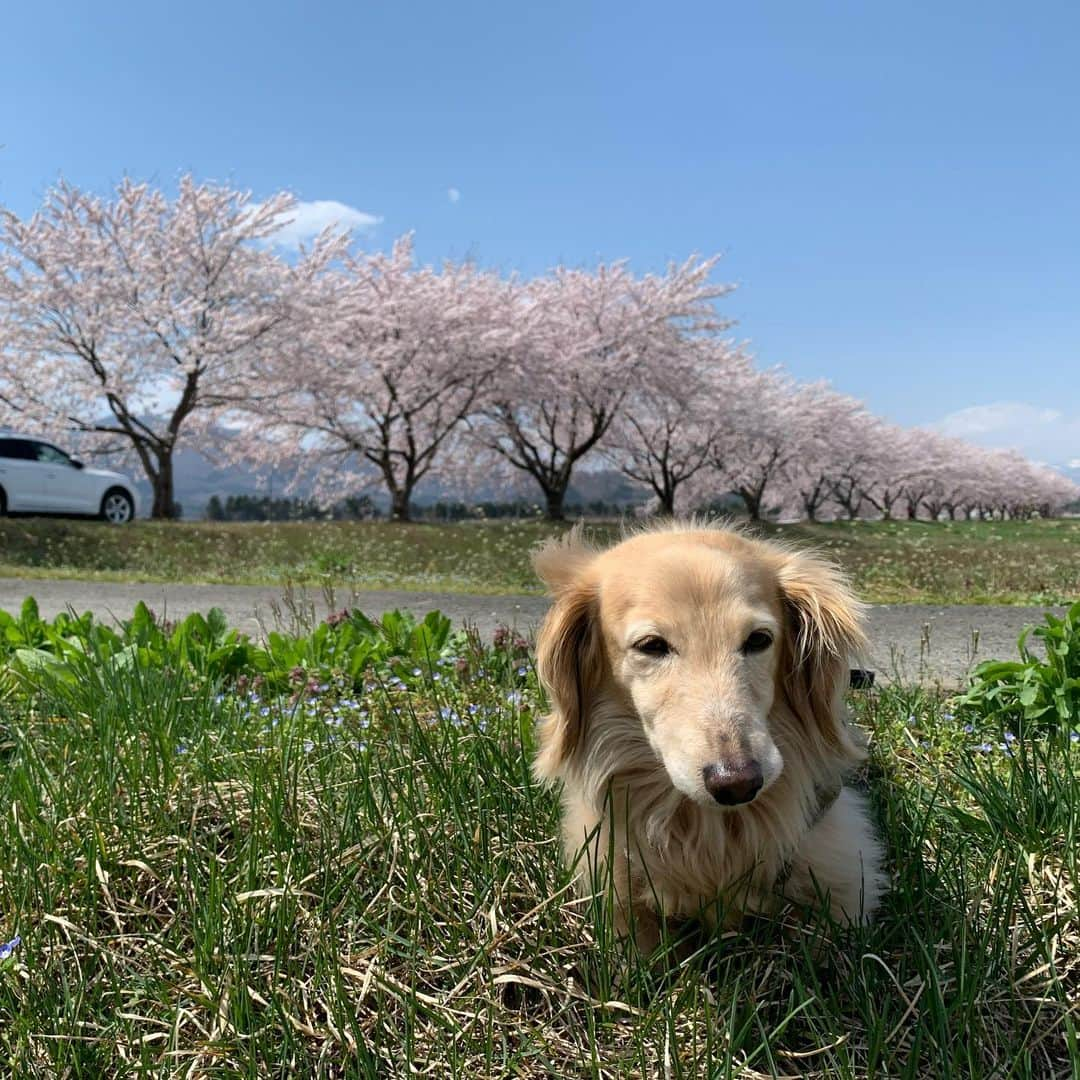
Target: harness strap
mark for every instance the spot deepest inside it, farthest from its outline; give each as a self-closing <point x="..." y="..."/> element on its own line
<point x="826" y="796"/>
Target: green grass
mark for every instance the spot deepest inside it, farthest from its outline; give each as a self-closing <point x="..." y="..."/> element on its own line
<point x="368" y="884"/>
<point x="1032" y="562"/>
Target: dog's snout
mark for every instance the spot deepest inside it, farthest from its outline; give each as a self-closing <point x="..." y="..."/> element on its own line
<point x="732" y="785"/>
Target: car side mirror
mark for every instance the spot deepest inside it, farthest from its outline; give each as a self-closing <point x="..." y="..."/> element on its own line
<point x="77" y="463"/>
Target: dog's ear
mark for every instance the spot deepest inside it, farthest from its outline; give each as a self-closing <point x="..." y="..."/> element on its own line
<point x="825" y="631"/>
<point x="560" y="561"/>
<point x="569" y="653"/>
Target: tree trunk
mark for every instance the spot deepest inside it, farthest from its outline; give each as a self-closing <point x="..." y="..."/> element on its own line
<point x="400" y="508"/>
<point x="555" y="498"/>
<point x="665" y="497"/>
<point x="752" y="498"/>
<point x="164" y="506"/>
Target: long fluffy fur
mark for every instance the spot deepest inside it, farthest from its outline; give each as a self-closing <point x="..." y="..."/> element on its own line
<point x="665" y="852"/>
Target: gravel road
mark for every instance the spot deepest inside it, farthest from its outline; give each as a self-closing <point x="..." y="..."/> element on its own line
<point x="908" y="641"/>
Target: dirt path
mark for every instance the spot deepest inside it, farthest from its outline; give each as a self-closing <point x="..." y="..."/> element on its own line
<point x="931" y="644"/>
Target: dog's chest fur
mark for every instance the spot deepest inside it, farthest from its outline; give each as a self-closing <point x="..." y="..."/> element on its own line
<point x="671" y="853"/>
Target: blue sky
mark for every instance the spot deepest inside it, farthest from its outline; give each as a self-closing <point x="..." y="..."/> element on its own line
<point x="894" y="187"/>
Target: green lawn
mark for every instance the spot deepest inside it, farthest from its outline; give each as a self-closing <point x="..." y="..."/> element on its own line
<point x="361" y="879"/>
<point x="1036" y="562"/>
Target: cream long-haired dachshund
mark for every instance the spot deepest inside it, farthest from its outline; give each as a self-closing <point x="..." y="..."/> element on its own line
<point x="696" y="678"/>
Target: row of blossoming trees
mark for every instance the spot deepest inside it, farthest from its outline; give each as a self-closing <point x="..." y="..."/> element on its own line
<point x="143" y="324"/>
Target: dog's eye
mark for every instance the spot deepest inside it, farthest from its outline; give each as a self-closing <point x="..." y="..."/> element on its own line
<point x="757" y="642"/>
<point x="652" y="646"/>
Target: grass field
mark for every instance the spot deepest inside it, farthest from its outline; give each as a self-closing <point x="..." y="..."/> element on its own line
<point x="363" y="880"/>
<point x="1035" y="562"/>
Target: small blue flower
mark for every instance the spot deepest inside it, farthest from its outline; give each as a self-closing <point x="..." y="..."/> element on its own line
<point x="947" y="716"/>
<point x="450" y="714"/>
<point x="308" y="746"/>
<point x="416" y="671"/>
<point x="985" y="748"/>
<point x="1074" y="736"/>
<point x="219" y="698"/>
<point x="361" y="746"/>
<point x="514" y="697"/>
<point x="969" y="728"/>
<point x="265" y="710"/>
<point x="323" y="687"/>
<point x="911" y="720"/>
<point x="474" y="709"/>
<point x="436" y="677"/>
<point x="1010" y="737"/>
<point x="523" y="671"/>
<point x="181" y="748"/>
<point x="8" y="947"/>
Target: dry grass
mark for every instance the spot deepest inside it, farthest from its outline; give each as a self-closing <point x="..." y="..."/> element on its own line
<point x="1033" y="562"/>
<point x="210" y="885"/>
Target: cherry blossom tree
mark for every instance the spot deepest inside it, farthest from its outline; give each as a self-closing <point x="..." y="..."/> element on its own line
<point x="894" y="461"/>
<point x="869" y="468"/>
<point x="664" y="433"/>
<point x="757" y="435"/>
<point x="585" y="345"/>
<point x="834" y="435"/>
<point x="391" y="359"/>
<point x="142" y="323"/>
<point x="130" y="319"/>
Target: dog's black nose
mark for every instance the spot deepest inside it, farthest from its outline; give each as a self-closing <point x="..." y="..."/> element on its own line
<point x="732" y="786"/>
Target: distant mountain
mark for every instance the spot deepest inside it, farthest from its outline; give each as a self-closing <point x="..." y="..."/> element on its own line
<point x="199" y="477"/>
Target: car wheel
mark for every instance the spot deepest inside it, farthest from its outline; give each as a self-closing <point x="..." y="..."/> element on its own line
<point x="117" y="507"/>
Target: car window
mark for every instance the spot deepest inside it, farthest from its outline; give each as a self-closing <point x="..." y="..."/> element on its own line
<point x="49" y="455"/>
<point x="19" y="449"/>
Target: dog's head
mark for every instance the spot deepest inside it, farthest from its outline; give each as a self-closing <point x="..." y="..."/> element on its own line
<point x="711" y="640"/>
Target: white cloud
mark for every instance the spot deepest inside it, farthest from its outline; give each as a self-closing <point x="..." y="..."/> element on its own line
<point x="308" y="219"/>
<point x="1040" y="433"/>
<point x="453" y="194"/>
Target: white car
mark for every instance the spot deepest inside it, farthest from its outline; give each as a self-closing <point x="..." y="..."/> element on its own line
<point x="39" y="478"/>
